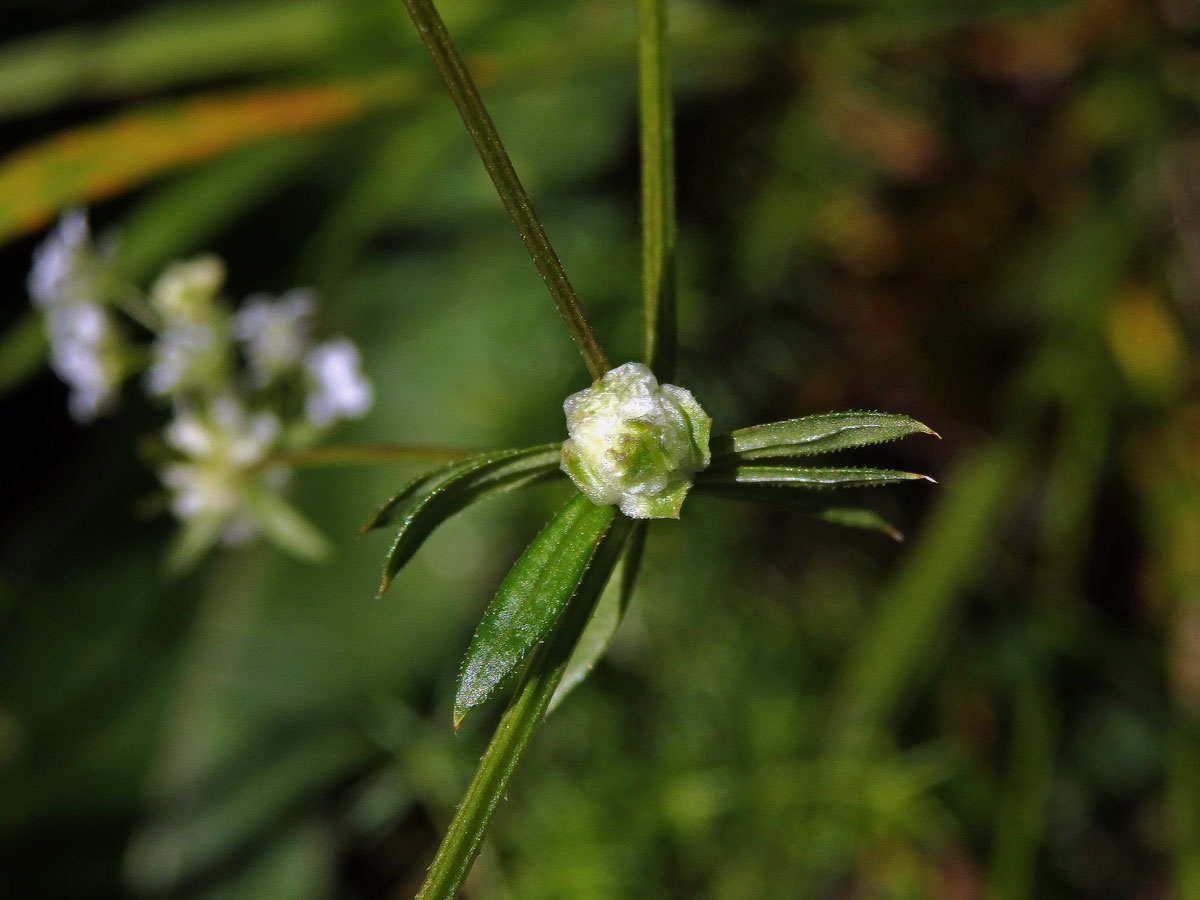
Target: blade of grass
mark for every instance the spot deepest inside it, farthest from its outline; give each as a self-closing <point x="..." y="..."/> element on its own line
<point x="480" y="127"/>
<point x="166" y="46"/>
<point x="461" y="844"/>
<point x="951" y="554"/>
<point x="183" y="215"/>
<point x="1183" y="791"/>
<point x="84" y="165"/>
<point x="658" y="189"/>
<point x="1020" y="822"/>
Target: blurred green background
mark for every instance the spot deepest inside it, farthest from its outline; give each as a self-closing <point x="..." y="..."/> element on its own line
<point x="984" y="214"/>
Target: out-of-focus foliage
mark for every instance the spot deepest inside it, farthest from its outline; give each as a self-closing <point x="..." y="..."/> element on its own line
<point x="985" y="214"/>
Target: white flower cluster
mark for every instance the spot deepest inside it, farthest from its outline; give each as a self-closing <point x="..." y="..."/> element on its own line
<point x="225" y="455"/>
<point x="243" y="386"/>
<point x="68" y="284"/>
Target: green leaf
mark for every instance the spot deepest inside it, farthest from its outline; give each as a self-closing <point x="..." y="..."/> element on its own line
<point x="808" y="503"/>
<point x="813" y="435"/>
<point x="491" y="468"/>
<point x="610" y="610"/>
<point x="166" y="46"/>
<point x="195" y="537"/>
<point x="799" y="476"/>
<point x="185" y="215"/>
<point x="285" y="527"/>
<point x="518" y="724"/>
<point x="432" y="498"/>
<point x="530" y="599"/>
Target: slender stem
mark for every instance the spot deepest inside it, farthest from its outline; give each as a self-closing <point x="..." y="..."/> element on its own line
<point x="495" y="159"/>
<point x="368" y="454"/>
<point x="658" y="189"/>
<point x="527" y="711"/>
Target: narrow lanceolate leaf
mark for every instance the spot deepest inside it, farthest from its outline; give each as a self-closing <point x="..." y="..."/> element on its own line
<point x="286" y="527"/>
<point x="610" y="610"/>
<point x="806" y="477"/>
<point x="808" y="503"/>
<point x="195" y="537"/>
<point x="432" y="498"/>
<point x="518" y="724"/>
<point x="530" y="599"/>
<point x="813" y="435"/>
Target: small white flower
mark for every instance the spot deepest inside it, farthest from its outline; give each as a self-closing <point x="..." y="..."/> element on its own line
<point x="64" y="264"/>
<point x="187" y="355"/>
<point x="187" y="291"/>
<point x="223" y="452"/>
<point x="275" y="333"/>
<point x="249" y="438"/>
<point x="70" y="281"/>
<point x="85" y="352"/>
<point x="338" y="388"/>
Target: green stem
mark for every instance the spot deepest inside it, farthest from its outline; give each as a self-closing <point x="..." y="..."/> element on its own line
<point x="527" y="711"/>
<point x="495" y="159"/>
<point x="368" y="454"/>
<point x="658" y="189"/>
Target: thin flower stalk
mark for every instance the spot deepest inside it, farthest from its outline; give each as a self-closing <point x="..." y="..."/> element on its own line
<point x="368" y="454"/>
<point x="655" y="111"/>
<point x="512" y="193"/>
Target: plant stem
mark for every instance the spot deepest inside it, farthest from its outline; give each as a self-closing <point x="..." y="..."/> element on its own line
<point x="527" y="711"/>
<point x="368" y="454"/>
<point x="658" y="189"/>
<point x="495" y="159"/>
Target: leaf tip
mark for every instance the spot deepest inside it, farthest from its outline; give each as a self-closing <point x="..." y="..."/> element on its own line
<point x="459" y="715"/>
<point x="928" y="478"/>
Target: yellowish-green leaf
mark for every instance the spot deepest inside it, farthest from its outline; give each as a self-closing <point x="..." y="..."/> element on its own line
<point x="85" y="165"/>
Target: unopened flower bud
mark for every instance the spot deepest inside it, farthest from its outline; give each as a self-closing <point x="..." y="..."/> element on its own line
<point x="187" y="290"/>
<point x="635" y="443"/>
